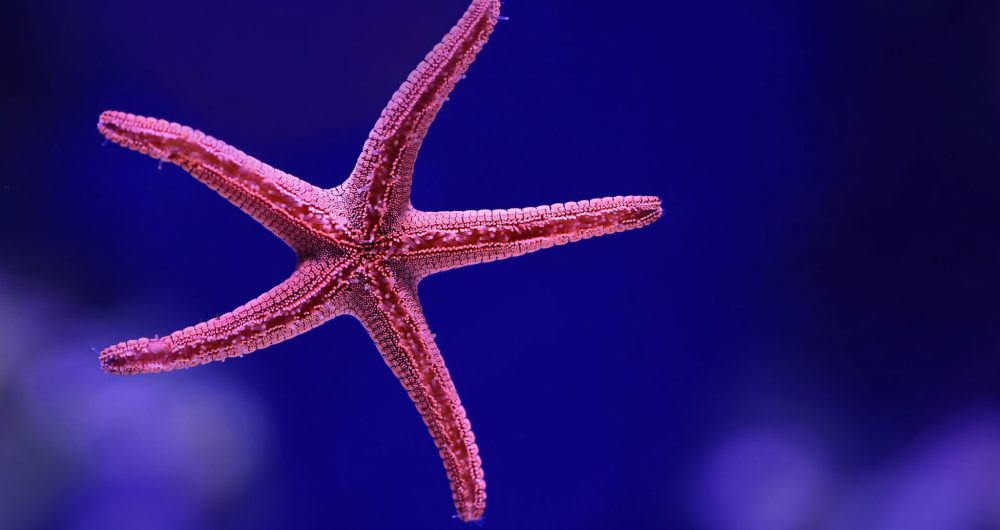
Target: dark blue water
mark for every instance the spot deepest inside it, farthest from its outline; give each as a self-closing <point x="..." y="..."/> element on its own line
<point x="807" y="339"/>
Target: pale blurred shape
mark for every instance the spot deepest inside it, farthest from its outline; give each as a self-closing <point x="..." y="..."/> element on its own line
<point x="950" y="480"/>
<point x="761" y="479"/>
<point x="87" y="450"/>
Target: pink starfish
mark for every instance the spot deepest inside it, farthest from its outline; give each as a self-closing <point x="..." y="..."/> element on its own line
<point x="363" y="248"/>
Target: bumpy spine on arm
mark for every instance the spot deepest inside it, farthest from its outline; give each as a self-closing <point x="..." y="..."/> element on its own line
<point x="290" y="208"/>
<point x="392" y="314"/>
<point x="310" y="297"/>
<point x="384" y="170"/>
<point x="437" y="241"/>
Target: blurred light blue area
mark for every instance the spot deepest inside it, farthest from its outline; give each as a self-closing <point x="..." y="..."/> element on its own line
<point x="82" y="450"/>
<point x="807" y="340"/>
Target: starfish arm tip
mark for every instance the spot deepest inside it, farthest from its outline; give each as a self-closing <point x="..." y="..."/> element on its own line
<point x="109" y="123"/>
<point x="133" y="357"/>
<point x="655" y="207"/>
<point x="138" y="133"/>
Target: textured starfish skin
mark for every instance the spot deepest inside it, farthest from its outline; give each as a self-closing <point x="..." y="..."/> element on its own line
<point x="363" y="248"/>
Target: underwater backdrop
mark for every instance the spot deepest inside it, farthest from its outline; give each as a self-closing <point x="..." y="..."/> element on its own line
<point x="807" y="339"/>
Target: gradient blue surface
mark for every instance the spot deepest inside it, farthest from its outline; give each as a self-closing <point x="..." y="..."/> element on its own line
<point x="807" y="339"/>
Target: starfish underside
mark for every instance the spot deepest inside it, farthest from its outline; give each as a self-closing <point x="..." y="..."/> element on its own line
<point x="362" y="248"/>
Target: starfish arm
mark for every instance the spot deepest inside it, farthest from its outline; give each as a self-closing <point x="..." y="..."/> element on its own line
<point x="310" y="297"/>
<point x="290" y="208"/>
<point x="439" y="241"/>
<point x="392" y="315"/>
<point x="380" y="182"/>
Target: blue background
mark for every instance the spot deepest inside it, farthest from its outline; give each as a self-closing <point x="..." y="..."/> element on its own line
<point x="806" y="340"/>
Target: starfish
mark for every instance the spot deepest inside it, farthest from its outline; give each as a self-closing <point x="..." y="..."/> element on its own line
<point x="362" y="247"/>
